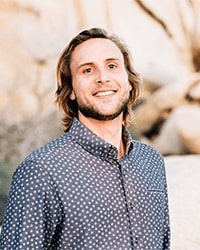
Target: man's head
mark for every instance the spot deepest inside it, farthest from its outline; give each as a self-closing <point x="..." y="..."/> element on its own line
<point x="68" y="90"/>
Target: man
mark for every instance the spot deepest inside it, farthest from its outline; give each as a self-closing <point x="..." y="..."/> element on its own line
<point x="94" y="187"/>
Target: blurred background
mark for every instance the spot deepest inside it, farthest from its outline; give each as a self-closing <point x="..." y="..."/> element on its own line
<point x="164" y="38"/>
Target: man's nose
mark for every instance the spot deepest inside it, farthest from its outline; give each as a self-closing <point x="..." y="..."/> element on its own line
<point x="102" y="76"/>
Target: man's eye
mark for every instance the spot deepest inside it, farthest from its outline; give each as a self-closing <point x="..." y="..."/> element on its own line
<point x="112" y="66"/>
<point x="88" y="70"/>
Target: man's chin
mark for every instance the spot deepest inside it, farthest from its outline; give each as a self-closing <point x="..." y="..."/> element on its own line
<point x="100" y="116"/>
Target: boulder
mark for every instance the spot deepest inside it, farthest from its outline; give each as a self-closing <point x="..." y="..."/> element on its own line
<point x="159" y="105"/>
<point x="33" y="34"/>
<point x="188" y="127"/>
<point x="181" y="133"/>
<point x="183" y="174"/>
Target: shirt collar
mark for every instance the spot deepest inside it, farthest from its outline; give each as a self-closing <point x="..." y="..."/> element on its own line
<point x="94" y="144"/>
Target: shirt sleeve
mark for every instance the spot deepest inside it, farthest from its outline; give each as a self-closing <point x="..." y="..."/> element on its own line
<point x="166" y="224"/>
<point x="33" y="210"/>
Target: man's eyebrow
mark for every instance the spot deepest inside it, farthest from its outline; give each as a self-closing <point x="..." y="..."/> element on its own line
<point x="112" y="59"/>
<point x="85" y="64"/>
<point x="92" y="63"/>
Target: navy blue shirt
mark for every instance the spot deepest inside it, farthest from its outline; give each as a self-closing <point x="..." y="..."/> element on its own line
<point x="75" y="194"/>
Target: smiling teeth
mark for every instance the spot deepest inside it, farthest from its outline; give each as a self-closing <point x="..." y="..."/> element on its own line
<point x="105" y="93"/>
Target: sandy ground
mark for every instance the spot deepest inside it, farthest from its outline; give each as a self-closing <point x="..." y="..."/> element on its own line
<point x="183" y="174"/>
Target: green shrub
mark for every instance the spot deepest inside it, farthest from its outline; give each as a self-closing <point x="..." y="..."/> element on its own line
<point x="6" y="172"/>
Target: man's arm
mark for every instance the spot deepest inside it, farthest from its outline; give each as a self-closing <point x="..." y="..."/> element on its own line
<point x="166" y="224"/>
<point x="32" y="210"/>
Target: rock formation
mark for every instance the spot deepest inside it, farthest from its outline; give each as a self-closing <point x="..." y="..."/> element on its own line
<point x="164" y="37"/>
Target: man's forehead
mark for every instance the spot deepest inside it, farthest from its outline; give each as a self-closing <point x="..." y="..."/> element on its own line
<point x="96" y="48"/>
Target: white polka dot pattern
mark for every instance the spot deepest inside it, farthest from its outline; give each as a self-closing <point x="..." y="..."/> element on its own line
<point x="74" y="194"/>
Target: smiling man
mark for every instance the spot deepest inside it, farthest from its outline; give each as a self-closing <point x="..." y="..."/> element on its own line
<point x="94" y="187"/>
<point x="100" y="81"/>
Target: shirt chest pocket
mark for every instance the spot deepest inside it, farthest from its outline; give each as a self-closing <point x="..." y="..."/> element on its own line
<point x="155" y="197"/>
<point x="153" y="204"/>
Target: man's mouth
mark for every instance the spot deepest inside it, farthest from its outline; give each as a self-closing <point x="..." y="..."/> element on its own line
<point x="104" y="93"/>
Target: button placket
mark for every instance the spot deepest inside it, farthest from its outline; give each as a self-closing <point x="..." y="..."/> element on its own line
<point x="132" y="208"/>
<point x="129" y="204"/>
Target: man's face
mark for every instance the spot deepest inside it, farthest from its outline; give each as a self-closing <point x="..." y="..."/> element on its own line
<point x="99" y="79"/>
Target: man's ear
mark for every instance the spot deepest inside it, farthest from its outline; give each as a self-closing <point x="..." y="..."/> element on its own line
<point x="72" y="95"/>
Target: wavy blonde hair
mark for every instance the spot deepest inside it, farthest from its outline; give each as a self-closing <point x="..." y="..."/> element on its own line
<point x="64" y="76"/>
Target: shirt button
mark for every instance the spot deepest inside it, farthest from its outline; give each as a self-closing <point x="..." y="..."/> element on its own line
<point x="136" y="240"/>
<point x="103" y="155"/>
<point x="111" y="150"/>
<point x="131" y="205"/>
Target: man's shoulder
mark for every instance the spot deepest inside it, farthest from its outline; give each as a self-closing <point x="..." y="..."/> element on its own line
<point x="144" y="149"/>
<point x="50" y="149"/>
<point x="46" y="155"/>
<point x="147" y="159"/>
